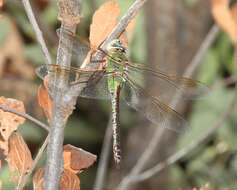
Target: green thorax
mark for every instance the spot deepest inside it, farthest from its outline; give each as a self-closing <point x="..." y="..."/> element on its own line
<point x="115" y="64"/>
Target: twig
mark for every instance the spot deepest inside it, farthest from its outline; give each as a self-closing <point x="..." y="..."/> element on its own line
<point x="38" y="32"/>
<point x="103" y="163"/>
<point x="210" y="38"/>
<point x="27" y="116"/>
<point x="175" y="157"/>
<point x="62" y="106"/>
<point x="37" y="158"/>
<point x="147" y="154"/>
<point x="183" y="152"/>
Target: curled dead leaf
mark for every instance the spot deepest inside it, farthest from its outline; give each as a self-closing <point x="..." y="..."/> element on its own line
<point x="9" y="122"/>
<point x="77" y="159"/>
<point x="45" y="102"/>
<point x="38" y="179"/>
<point x="103" y="22"/>
<point x="68" y="180"/>
<point x="19" y="157"/>
<point x="224" y="18"/>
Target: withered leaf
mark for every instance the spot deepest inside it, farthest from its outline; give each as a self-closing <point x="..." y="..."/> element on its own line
<point x="223" y="16"/>
<point x="9" y="122"/>
<point x="19" y="158"/>
<point x="45" y="102"/>
<point x="38" y="179"/>
<point x="103" y="22"/>
<point x="77" y="159"/>
<point x="68" y="180"/>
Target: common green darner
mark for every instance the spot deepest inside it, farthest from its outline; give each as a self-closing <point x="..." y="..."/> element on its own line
<point x="118" y="76"/>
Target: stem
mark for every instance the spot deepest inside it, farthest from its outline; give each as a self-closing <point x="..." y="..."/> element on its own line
<point x="37" y="30"/>
<point x="37" y="122"/>
<point x="104" y="157"/>
<point x="69" y="14"/>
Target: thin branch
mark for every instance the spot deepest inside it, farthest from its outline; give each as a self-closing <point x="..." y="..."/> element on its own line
<point x="37" y="30"/>
<point x="104" y="157"/>
<point x="209" y="39"/>
<point x="183" y="152"/>
<point x="36" y="160"/>
<point x="27" y="116"/>
<point x="147" y="154"/>
<point x="69" y="14"/>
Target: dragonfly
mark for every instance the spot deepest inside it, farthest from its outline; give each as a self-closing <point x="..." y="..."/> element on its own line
<point x="119" y="78"/>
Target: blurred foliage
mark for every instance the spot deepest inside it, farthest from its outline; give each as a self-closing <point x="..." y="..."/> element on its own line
<point x="214" y="161"/>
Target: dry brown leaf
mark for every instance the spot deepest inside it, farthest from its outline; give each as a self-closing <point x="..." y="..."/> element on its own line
<point x="9" y="122"/>
<point x="19" y="158"/>
<point x="12" y="60"/>
<point x="0" y="180"/>
<point x="45" y="102"/>
<point x="103" y="22"/>
<point x="38" y="179"/>
<point x="68" y="180"/>
<point x="77" y="159"/>
<point x="233" y="10"/>
<point x="223" y="16"/>
<point x="1" y="4"/>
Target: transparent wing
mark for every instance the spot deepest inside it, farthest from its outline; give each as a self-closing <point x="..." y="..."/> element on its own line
<point x="168" y="83"/>
<point x="152" y="108"/>
<point x="81" y="46"/>
<point x="97" y="87"/>
<point x="95" y="80"/>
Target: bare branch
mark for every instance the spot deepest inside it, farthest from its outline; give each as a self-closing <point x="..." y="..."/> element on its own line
<point x="27" y="116"/>
<point x="160" y="130"/>
<point x="62" y="107"/>
<point x="183" y="152"/>
<point x="37" y="30"/>
<point x="104" y="157"/>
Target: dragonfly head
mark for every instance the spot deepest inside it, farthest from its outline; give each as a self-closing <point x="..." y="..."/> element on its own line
<point x="116" y="46"/>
